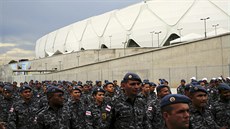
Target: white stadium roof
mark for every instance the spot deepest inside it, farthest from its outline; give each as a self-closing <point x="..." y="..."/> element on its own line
<point x="136" y="22"/>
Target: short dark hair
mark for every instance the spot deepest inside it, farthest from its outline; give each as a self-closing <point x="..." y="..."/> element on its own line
<point x="167" y="109"/>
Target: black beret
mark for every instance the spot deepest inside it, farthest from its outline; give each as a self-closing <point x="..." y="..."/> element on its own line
<point x="1" y="84"/>
<point x="161" y="87"/>
<point x="173" y="99"/>
<point x="107" y="83"/>
<point x="223" y="86"/>
<point x="187" y="87"/>
<point x="7" y="88"/>
<point x="76" y="88"/>
<point x="197" y="88"/>
<point x="54" y="89"/>
<point x="25" y="87"/>
<point x="153" y="84"/>
<point x="132" y="76"/>
<point x="98" y="90"/>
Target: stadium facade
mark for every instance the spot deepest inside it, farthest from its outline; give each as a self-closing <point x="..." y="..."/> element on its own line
<point x="153" y="23"/>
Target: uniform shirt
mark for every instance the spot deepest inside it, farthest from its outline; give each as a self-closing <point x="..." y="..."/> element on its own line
<point x="221" y="112"/>
<point x="98" y="116"/>
<point x="77" y="112"/>
<point x="43" y="102"/>
<point x="202" y="120"/>
<point x="127" y="114"/>
<point x="51" y="118"/>
<point x="181" y="89"/>
<point x="213" y="94"/>
<point x="154" y="116"/>
<point x="22" y="115"/>
<point x="5" y="105"/>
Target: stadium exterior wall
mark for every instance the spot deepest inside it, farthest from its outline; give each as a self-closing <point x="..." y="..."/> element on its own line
<point x="204" y="58"/>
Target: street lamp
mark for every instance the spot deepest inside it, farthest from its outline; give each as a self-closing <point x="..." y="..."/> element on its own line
<point x="152" y="36"/>
<point x="158" y="37"/>
<point x="180" y="29"/>
<point x="110" y="40"/>
<point x="46" y="66"/>
<point x="78" y="59"/>
<point x="215" y="28"/>
<point x="59" y="65"/>
<point x="124" y="47"/>
<point x="204" y="19"/>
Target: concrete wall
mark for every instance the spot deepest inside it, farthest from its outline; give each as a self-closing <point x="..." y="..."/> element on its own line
<point x="204" y="58"/>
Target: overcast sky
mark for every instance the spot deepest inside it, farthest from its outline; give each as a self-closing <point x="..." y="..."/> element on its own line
<point x="22" y="22"/>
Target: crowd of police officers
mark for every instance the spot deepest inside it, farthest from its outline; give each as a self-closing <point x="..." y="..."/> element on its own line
<point x="132" y="105"/>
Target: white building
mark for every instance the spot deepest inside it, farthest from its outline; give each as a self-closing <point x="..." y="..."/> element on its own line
<point x="139" y="25"/>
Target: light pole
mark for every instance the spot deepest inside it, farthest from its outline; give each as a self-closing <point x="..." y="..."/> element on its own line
<point x="124" y="47"/>
<point x="204" y="19"/>
<point x="158" y="37"/>
<point x="78" y="59"/>
<point x="46" y="66"/>
<point x="110" y="40"/>
<point x="215" y="26"/>
<point x="180" y="29"/>
<point x="59" y="65"/>
<point x="152" y="36"/>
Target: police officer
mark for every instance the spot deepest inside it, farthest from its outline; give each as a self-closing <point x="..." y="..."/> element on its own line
<point x="175" y="111"/>
<point x="200" y="117"/>
<point x="221" y="108"/>
<point x="128" y="109"/>
<point x="22" y="113"/>
<point x="76" y="108"/>
<point x="154" y="116"/>
<point x="98" y="114"/>
<point x="145" y="92"/>
<point x="152" y="91"/>
<point x="6" y="103"/>
<point x="181" y="87"/>
<point x="55" y="115"/>
<point x="110" y="93"/>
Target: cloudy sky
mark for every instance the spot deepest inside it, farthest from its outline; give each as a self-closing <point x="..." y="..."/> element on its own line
<point x="22" y="22"/>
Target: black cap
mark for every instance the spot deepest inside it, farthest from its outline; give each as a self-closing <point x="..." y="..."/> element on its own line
<point x="161" y="87"/>
<point x="132" y="76"/>
<point x="197" y="88"/>
<point x="98" y="90"/>
<point x="54" y="89"/>
<point x="7" y="88"/>
<point x="25" y="87"/>
<point x="76" y="88"/>
<point x="173" y="99"/>
<point x="223" y="86"/>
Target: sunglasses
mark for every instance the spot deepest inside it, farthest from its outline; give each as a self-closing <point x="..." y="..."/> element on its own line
<point x="134" y="83"/>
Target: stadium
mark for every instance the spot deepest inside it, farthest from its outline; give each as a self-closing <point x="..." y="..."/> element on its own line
<point x="154" y="38"/>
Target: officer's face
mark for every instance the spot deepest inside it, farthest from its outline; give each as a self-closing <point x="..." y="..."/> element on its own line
<point x="199" y="99"/>
<point x="7" y="94"/>
<point x="178" y="118"/>
<point x="152" y="88"/>
<point x="163" y="92"/>
<point x="76" y="94"/>
<point x="132" y="87"/>
<point x="225" y="95"/>
<point x="146" y="88"/>
<point x="109" y="88"/>
<point x="99" y="97"/>
<point x="57" y="99"/>
<point x="26" y="94"/>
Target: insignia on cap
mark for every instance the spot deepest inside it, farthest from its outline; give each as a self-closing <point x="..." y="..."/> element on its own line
<point x="195" y="88"/>
<point x="172" y="99"/>
<point x="130" y="76"/>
